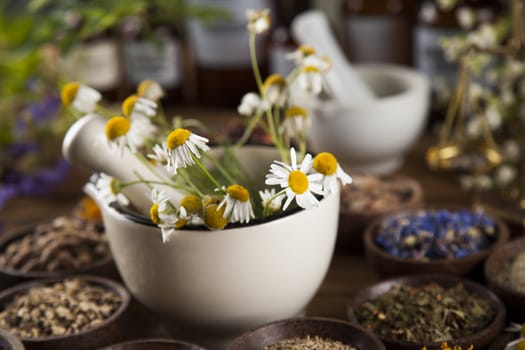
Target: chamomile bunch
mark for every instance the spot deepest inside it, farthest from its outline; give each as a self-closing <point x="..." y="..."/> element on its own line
<point x="281" y="106"/>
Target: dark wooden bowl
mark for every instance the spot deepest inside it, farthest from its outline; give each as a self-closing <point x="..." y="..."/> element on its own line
<point x="352" y="222"/>
<point x="336" y="330"/>
<point x="495" y="263"/>
<point x="388" y="265"/>
<point x="479" y="340"/>
<point x="9" y="277"/>
<point x="154" y="344"/>
<point x="9" y="342"/>
<point x="105" y="332"/>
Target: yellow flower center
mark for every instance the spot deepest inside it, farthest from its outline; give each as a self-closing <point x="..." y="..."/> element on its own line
<point x="306" y="50"/>
<point x="116" y="127"/>
<point x="69" y="92"/>
<point x="177" y="138"/>
<point x="128" y="104"/>
<point x="213" y="217"/>
<point x="154" y="214"/>
<point x="238" y="192"/>
<point x="295" y="111"/>
<point x="298" y="181"/>
<point x="520" y="345"/>
<point x="114" y="186"/>
<point x="143" y="87"/>
<point x="191" y="203"/>
<point x="181" y="223"/>
<point x="310" y="69"/>
<point x="274" y="80"/>
<point x="325" y="163"/>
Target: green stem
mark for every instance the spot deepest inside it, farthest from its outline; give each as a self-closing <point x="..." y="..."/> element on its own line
<point x="255" y="65"/>
<point x="191" y="184"/>
<point x="248" y="131"/>
<point x="265" y="209"/>
<point x="206" y="172"/>
<point x="224" y="172"/>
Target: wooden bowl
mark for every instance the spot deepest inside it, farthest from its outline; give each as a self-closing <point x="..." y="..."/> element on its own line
<point x="388" y="265"/>
<point x="333" y="329"/>
<point x="352" y="221"/>
<point x="105" y="332"/>
<point x="9" y="276"/>
<point x="495" y="263"/>
<point x="154" y="344"/>
<point x="480" y="340"/>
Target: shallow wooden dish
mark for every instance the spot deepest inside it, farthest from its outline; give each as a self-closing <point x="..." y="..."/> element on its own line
<point x="388" y="265"/>
<point x="91" y="338"/>
<point x="479" y="340"/>
<point x="353" y="222"/>
<point x="495" y="263"/>
<point x="336" y="330"/>
<point x="9" y="277"/>
<point x="153" y="344"/>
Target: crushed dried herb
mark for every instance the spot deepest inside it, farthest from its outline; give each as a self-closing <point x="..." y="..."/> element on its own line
<point x="513" y="274"/>
<point x="309" y="343"/>
<point x="425" y="314"/>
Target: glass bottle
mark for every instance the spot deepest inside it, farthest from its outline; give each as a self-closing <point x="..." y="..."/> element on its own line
<point x="221" y="53"/>
<point x="96" y="62"/>
<point x="281" y="41"/>
<point x="155" y="55"/>
<point x="379" y="30"/>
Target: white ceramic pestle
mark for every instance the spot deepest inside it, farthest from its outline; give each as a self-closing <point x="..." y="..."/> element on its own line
<point x="85" y="144"/>
<point x="312" y="28"/>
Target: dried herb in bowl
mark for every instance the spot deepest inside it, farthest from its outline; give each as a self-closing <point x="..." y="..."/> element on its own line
<point x="62" y="308"/>
<point x="309" y="343"/>
<point x="512" y="275"/>
<point x="425" y="314"/>
<point x="436" y="234"/>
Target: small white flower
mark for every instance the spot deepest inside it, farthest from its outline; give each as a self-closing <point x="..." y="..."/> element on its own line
<point x="159" y="197"/>
<point x="150" y="90"/>
<point x="299" y="184"/>
<point x="505" y="174"/>
<point x="170" y="223"/>
<point x="296" y="121"/>
<point x="121" y="132"/>
<point x="275" y="90"/>
<point x="466" y="17"/>
<point x="141" y="130"/>
<point x="493" y="117"/>
<point x="182" y="146"/>
<point x="300" y="54"/>
<point x="326" y="164"/>
<point x="238" y="205"/>
<point x="109" y="190"/>
<point x="139" y="106"/>
<point x="81" y="97"/>
<point x="161" y="155"/>
<point x="511" y="150"/>
<point x="251" y="104"/>
<point x="322" y="63"/>
<point x="269" y="195"/>
<point x="310" y="80"/>
<point x="258" y="20"/>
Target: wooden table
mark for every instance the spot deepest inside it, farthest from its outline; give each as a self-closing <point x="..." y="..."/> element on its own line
<point x="348" y="273"/>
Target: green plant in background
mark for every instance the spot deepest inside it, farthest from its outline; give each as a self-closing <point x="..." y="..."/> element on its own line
<point x="34" y="36"/>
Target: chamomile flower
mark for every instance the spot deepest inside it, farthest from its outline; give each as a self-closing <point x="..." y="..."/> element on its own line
<point x="325" y="163"/>
<point x="170" y="222"/>
<point x="258" y="20"/>
<point x="121" y="132"/>
<point x="275" y="89"/>
<point x="182" y="145"/>
<point x="270" y="200"/>
<point x="138" y="106"/>
<point x="151" y="90"/>
<point x="160" y="156"/>
<point x="193" y="207"/>
<point x="295" y="121"/>
<point x="213" y="215"/>
<point x="296" y="179"/>
<point x="159" y="199"/>
<point x="81" y="97"/>
<point x="300" y="54"/>
<point x="251" y="104"/>
<point x="323" y="63"/>
<point x="110" y="189"/>
<point x="238" y="207"/>
<point x="310" y="79"/>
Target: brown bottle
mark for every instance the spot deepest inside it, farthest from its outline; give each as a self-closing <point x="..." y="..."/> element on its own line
<point x="221" y="53"/>
<point x="96" y="62"/>
<point x="379" y="30"/>
<point x="157" y="57"/>
<point x="281" y="40"/>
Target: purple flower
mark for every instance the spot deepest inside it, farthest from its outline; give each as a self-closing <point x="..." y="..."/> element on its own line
<point x="20" y="149"/>
<point x="42" y="181"/>
<point x="44" y="110"/>
<point x="6" y="193"/>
